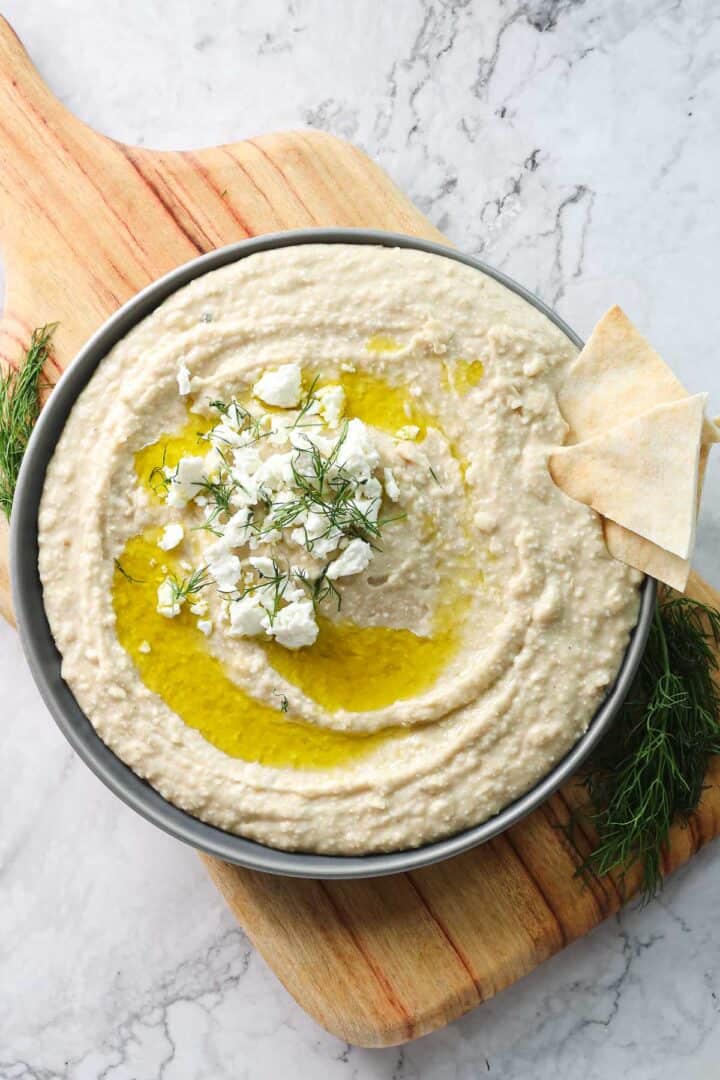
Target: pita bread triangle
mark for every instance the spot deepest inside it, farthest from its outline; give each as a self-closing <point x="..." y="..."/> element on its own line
<point x="617" y="376"/>
<point x="636" y="551"/>
<point x="641" y="474"/>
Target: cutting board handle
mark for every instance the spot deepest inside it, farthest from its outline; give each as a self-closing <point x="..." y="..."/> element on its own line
<point x="29" y="112"/>
<point x="38" y="182"/>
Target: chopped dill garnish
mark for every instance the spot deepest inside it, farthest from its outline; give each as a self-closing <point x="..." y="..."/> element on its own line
<point x="650" y="770"/>
<point x="129" y="577"/>
<point x="241" y="418"/>
<point x="275" y="583"/>
<point x="284" y="703"/>
<point x="319" y="588"/>
<point x="182" y="588"/>
<point x="19" y="409"/>
<point x="159" y="479"/>
<point x="306" y="404"/>
<point x="434" y="475"/>
<point x="219" y="493"/>
<point x="329" y="491"/>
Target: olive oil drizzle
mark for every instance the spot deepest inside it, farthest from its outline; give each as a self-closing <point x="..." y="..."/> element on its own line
<point x="349" y="667"/>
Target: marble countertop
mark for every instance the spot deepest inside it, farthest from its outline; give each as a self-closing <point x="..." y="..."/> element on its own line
<point x="573" y="145"/>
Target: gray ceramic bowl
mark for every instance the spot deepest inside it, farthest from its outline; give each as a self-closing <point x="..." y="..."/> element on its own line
<point x="44" y="658"/>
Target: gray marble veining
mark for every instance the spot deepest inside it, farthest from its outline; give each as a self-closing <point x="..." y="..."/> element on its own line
<point x="572" y="144"/>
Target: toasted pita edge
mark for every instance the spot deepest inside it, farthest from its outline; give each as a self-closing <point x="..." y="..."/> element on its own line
<point x="633" y="550"/>
<point x="616" y="377"/>
<point x="605" y="473"/>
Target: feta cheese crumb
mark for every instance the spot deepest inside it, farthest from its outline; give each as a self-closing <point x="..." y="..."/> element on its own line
<point x="200" y="607"/>
<point x="354" y="560"/>
<point x="358" y="454"/>
<point x="317" y="535"/>
<point x="171" y="537"/>
<point x="168" y="603"/>
<point x="391" y="485"/>
<point x="282" y="387"/>
<point x="185" y="481"/>
<point x="247" y="617"/>
<point x="205" y="626"/>
<point x="225" y="570"/>
<point x="409" y="432"/>
<point x="294" y="626"/>
<point x="332" y="404"/>
<point x="264" y="566"/>
<point x="144" y="647"/>
<point x="184" y="379"/>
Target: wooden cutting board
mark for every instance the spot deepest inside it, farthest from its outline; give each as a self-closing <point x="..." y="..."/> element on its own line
<point x="84" y="223"/>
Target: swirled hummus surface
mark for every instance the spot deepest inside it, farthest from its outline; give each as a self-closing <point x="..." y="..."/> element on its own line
<point x="304" y="561"/>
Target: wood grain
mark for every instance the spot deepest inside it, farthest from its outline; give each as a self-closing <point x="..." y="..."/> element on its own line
<point x="85" y="222"/>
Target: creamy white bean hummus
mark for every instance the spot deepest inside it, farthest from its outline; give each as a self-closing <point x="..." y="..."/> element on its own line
<point x="304" y="561"/>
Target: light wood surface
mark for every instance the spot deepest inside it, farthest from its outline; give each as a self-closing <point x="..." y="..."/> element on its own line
<point x="84" y="223"/>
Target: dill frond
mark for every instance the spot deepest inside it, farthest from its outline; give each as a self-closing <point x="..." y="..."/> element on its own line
<point x="650" y="770"/>
<point x="19" y="409"/>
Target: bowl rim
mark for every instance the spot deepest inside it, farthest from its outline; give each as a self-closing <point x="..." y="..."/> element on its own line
<point x="44" y="659"/>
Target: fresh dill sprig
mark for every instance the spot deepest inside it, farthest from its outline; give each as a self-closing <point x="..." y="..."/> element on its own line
<point x="128" y="577"/>
<point x="219" y="493"/>
<point x="331" y="492"/>
<point x="284" y="703"/>
<point x="159" y="478"/>
<point x="182" y="588"/>
<point x="319" y="588"/>
<point x="275" y="583"/>
<point x="650" y="770"/>
<point x="306" y="404"/>
<point x="19" y="409"/>
<point x="242" y="419"/>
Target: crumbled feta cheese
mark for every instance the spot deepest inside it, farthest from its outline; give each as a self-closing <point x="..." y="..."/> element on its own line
<point x="245" y="491"/>
<point x="270" y="537"/>
<point x="280" y="429"/>
<point x="332" y="404"/>
<point x="205" y="626"/>
<point x="214" y="464"/>
<point x="247" y="460"/>
<point x="282" y="387"/>
<point x="172" y="536"/>
<point x="353" y="560"/>
<point x="247" y="617"/>
<point x="224" y="435"/>
<point x="168" y="602"/>
<point x="409" y="432"/>
<point x="358" y="454"/>
<point x="185" y="481"/>
<point x="368" y="498"/>
<point x="391" y="485"/>
<point x="281" y="500"/>
<point x="265" y="567"/>
<point x="237" y="531"/>
<point x="317" y="535"/>
<point x="275" y="472"/>
<point x="184" y="379"/>
<point x="292" y="590"/>
<point x="200" y="607"/>
<point x="144" y="647"/>
<point x="294" y="626"/>
<point x="225" y="570"/>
